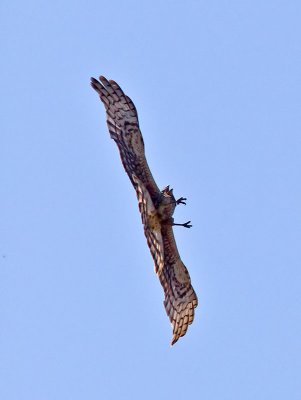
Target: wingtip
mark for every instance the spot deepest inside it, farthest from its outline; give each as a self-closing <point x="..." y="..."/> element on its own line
<point x="103" y="80"/>
<point x="174" y="340"/>
<point x="94" y="82"/>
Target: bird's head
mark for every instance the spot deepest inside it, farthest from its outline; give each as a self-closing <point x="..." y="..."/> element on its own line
<point x="167" y="191"/>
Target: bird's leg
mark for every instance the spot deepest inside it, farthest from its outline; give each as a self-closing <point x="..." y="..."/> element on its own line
<point x="186" y="225"/>
<point x="181" y="200"/>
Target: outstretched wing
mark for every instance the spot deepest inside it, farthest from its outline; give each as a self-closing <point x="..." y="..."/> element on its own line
<point x="180" y="297"/>
<point x="123" y="124"/>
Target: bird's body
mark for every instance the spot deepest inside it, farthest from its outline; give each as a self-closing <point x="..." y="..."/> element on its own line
<point x="156" y="207"/>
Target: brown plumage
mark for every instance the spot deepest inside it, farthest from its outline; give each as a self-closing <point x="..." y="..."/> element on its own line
<point x="156" y="207"/>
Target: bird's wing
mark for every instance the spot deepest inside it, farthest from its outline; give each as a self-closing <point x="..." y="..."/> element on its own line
<point x="123" y="125"/>
<point x="180" y="297"/>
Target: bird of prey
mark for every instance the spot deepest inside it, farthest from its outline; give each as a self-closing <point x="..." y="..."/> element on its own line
<point x="156" y="206"/>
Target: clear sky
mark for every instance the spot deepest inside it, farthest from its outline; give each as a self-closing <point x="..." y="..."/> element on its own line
<point x="217" y="85"/>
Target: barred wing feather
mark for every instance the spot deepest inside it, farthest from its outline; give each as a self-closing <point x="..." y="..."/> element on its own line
<point x="123" y="125"/>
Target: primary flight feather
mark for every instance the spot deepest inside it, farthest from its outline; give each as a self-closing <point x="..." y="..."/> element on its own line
<point x="156" y="207"/>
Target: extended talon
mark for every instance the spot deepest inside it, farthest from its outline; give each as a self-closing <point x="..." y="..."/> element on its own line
<point x="186" y="224"/>
<point x="181" y="200"/>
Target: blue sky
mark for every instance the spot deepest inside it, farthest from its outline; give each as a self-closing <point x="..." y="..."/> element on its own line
<point x="218" y="91"/>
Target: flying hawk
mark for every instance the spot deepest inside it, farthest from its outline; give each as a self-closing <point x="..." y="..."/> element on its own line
<point x="156" y="206"/>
